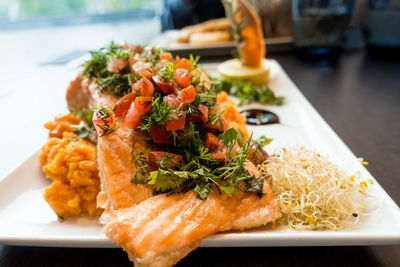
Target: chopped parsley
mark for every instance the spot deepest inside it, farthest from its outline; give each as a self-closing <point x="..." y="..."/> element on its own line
<point x="86" y="129"/>
<point x="199" y="171"/>
<point x="117" y="84"/>
<point x="246" y="92"/>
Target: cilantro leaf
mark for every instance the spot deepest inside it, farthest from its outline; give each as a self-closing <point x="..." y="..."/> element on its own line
<point x="202" y="190"/>
<point x="165" y="179"/>
<point x="228" y="136"/>
<point x="256" y="185"/>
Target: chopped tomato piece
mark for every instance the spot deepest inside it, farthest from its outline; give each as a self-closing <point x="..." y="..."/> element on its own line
<point x="146" y="87"/>
<point x="156" y="157"/>
<point x="182" y="77"/>
<point x="167" y="56"/>
<point x="143" y="103"/>
<point x="143" y="69"/>
<point x="143" y="87"/>
<point x="117" y="64"/>
<point x="126" y="46"/>
<point x="257" y="156"/>
<point x="172" y="101"/>
<point x="132" y="117"/>
<point x="160" y="135"/>
<point x="219" y="153"/>
<point x="103" y="119"/>
<point x="123" y="104"/>
<point x="220" y="125"/>
<point x="211" y="141"/>
<point x="188" y="94"/>
<point x="136" y="88"/>
<point x="132" y="60"/>
<point x="176" y="121"/>
<point x="251" y="168"/>
<point x="204" y="112"/>
<point x="165" y="87"/>
<point x="184" y="64"/>
<point x="233" y="151"/>
<point x="196" y="118"/>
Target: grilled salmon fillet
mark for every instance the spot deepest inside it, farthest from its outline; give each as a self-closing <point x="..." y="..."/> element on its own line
<point x="163" y="229"/>
<point x="160" y="230"/>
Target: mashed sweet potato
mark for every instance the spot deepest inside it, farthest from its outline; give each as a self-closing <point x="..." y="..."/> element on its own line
<point x="72" y="166"/>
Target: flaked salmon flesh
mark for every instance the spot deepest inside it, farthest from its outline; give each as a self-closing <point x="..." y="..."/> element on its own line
<point x="160" y="230"/>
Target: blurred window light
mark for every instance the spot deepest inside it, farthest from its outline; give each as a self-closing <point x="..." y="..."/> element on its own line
<point x="15" y="14"/>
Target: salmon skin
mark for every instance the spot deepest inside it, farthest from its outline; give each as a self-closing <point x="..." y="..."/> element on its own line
<point x="160" y="230"/>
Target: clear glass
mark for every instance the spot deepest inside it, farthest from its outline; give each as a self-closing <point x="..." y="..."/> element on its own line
<point x="382" y="28"/>
<point x="318" y="26"/>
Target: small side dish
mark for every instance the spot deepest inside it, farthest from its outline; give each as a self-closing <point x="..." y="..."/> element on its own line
<point x="71" y="164"/>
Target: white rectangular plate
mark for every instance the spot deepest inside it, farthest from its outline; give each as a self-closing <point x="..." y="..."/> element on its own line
<point x="26" y="219"/>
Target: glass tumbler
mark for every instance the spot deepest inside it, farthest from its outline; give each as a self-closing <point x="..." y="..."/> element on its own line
<point x="318" y="27"/>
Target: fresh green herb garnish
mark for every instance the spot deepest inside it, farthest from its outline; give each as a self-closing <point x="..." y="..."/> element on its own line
<point x="167" y="72"/>
<point x="157" y="115"/>
<point x="117" y="84"/>
<point x="246" y="92"/>
<point x="200" y="172"/>
<point x="262" y="141"/>
<point x="141" y="164"/>
<point x="228" y="136"/>
<point x="85" y="114"/>
<point x="86" y="128"/>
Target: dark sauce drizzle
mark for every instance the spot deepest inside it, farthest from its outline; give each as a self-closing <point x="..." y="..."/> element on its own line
<point x="260" y="117"/>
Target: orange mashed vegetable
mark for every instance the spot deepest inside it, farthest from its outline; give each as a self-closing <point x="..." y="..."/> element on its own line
<point x="231" y="114"/>
<point x="72" y="166"/>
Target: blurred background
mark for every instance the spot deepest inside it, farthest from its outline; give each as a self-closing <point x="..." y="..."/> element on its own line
<point x="61" y="30"/>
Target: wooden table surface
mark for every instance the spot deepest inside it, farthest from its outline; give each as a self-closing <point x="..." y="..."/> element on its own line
<point x="360" y="100"/>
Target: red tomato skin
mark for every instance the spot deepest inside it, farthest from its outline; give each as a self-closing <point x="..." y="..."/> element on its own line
<point x="155" y="157"/>
<point x="97" y="121"/>
<point x="176" y="121"/>
<point x="146" y="87"/>
<point x="182" y="77"/>
<point x="132" y="117"/>
<point x="143" y="69"/>
<point x="204" y="112"/>
<point x="220" y="126"/>
<point x="143" y="103"/>
<point x="256" y="156"/>
<point x="160" y="135"/>
<point x="172" y="101"/>
<point x="195" y="119"/>
<point x="219" y="153"/>
<point x="184" y="64"/>
<point x="211" y="141"/>
<point x="188" y="94"/>
<point x="132" y="60"/>
<point x="122" y="106"/>
<point x="136" y="88"/>
<point x="166" y="56"/>
<point x="117" y="64"/>
<point x="165" y="87"/>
